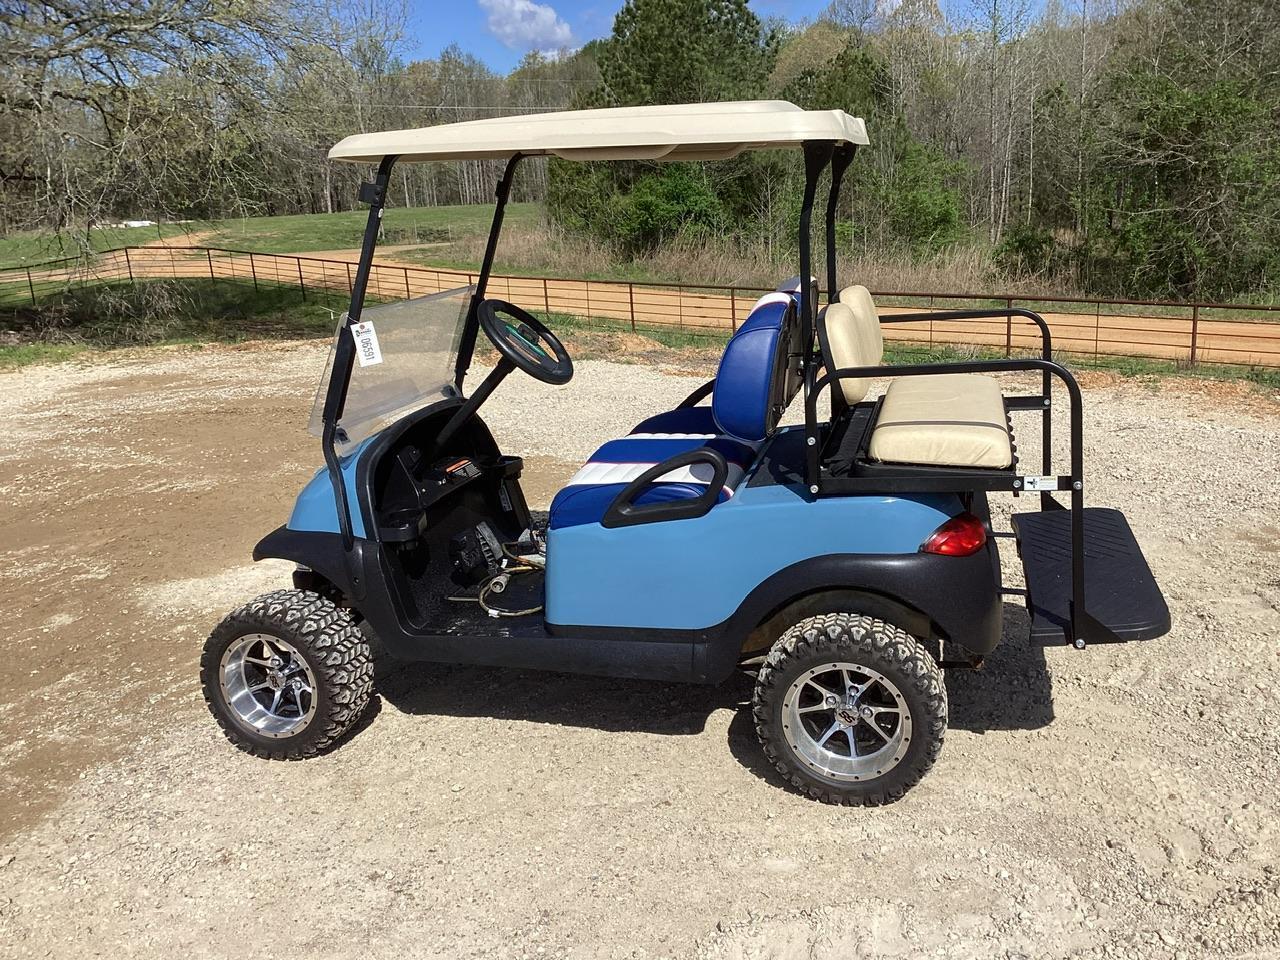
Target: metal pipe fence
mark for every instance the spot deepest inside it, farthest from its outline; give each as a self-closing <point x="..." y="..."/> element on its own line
<point x="1183" y="333"/>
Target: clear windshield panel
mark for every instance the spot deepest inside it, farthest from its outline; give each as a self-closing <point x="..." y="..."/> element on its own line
<point x="409" y="349"/>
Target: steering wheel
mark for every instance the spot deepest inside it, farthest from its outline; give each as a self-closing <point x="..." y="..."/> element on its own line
<point x="525" y="341"/>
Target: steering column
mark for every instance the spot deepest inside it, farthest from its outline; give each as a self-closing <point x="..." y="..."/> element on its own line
<point x="522" y="341"/>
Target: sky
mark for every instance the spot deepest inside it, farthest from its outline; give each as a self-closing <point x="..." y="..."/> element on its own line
<point x="500" y="32"/>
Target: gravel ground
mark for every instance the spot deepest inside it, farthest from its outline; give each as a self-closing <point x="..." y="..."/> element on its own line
<point x="1116" y="802"/>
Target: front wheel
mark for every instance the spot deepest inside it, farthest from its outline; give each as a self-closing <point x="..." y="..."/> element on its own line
<point x="286" y="675"/>
<point x="850" y="709"/>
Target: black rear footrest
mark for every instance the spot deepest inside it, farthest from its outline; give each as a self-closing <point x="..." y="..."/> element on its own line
<point x="1122" y="599"/>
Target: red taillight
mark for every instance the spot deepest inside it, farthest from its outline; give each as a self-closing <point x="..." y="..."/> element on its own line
<point x="961" y="536"/>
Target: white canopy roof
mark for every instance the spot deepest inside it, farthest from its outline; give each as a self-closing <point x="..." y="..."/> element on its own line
<point x="690" y="131"/>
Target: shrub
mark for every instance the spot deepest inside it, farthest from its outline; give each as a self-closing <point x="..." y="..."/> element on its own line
<point x="1025" y="250"/>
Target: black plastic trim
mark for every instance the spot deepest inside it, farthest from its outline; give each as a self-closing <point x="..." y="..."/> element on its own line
<point x="624" y="513"/>
<point x="960" y="596"/>
<point x="321" y="552"/>
<point x="366" y="469"/>
<point x="695" y="398"/>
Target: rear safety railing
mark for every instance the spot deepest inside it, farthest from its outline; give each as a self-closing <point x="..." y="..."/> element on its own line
<point x="1043" y="401"/>
<point x="1082" y="626"/>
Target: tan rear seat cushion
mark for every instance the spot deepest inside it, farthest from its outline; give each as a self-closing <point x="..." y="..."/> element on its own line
<point x="853" y="335"/>
<point x="946" y="420"/>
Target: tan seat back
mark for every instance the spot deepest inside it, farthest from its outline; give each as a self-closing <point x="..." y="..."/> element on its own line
<point x="849" y="332"/>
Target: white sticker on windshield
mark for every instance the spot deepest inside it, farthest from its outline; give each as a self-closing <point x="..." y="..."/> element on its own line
<point x="367" y="350"/>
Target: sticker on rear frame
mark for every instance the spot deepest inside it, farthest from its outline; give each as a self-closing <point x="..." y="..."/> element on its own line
<point x="367" y="350"/>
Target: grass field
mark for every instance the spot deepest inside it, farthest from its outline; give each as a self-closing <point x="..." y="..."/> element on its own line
<point x="291" y="234"/>
<point x="161" y="312"/>
<point x="337" y="231"/>
<point x="20" y="249"/>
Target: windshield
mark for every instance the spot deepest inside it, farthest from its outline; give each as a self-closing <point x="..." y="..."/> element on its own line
<point x="405" y="354"/>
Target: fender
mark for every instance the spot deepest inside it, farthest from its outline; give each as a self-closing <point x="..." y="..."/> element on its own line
<point x="322" y="552"/>
<point x="952" y="598"/>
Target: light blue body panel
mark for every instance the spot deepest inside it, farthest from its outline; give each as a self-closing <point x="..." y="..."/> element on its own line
<point x="316" y="510"/>
<point x="693" y="574"/>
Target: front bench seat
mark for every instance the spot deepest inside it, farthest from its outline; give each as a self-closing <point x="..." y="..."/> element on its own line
<point x="702" y="419"/>
<point x="942" y="420"/>
<point x="596" y="485"/>
<point x="742" y="415"/>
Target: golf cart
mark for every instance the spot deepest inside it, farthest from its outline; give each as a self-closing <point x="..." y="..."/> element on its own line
<point x="835" y="559"/>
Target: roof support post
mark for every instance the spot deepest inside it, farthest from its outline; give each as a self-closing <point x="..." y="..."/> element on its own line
<point x="817" y="155"/>
<point x="344" y="352"/>
<point x="841" y="157"/>
<point x="467" y="346"/>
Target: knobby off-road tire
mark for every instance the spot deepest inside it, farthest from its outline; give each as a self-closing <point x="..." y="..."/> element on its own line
<point x="316" y="644"/>
<point x="799" y="689"/>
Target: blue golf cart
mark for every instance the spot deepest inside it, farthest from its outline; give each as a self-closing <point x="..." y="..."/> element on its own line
<point x="836" y="559"/>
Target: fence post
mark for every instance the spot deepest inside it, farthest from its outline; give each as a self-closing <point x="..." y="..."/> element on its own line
<point x="1195" y="330"/>
<point x="31" y="287"/>
<point x="1008" y="329"/>
<point x="407" y="294"/>
<point x="349" y="288"/>
<point x="253" y="269"/>
<point x="631" y="299"/>
<point x="301" y="285"/>
<point x="209" y="256"/>
<point x="733" y="309"/>
<point x="1097" y="326"/>
<point x="546" y="299"/>
<point x="128" y="264"/>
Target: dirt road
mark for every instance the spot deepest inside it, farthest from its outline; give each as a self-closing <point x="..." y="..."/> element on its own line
<point x="1241" y="336"/>
<point x="1117" y="802"/>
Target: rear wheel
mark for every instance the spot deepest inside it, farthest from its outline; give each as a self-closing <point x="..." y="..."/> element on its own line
<point x="286" y="675"/>
<point x="850" y="709"/>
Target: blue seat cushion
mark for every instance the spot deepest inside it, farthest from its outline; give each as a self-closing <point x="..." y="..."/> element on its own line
<point x="751" y="362"/>
<point x="593" y="488"/>
<point x="680" y="420"/>
<point x="741" y="401"/>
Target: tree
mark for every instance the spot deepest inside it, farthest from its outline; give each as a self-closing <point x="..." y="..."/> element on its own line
<point x="723" y="53"/>
<point x="685" y="51"/>
<point x="899" y="190"/>
<point x="1190" y="202"/>
<point x="154" y="106"/>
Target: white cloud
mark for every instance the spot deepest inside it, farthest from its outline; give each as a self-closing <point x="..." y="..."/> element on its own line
<point x="525" y="25"/>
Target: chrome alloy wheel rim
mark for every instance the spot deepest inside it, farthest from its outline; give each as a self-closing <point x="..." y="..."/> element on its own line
<point x="846" y="721"/>
<point x="268" y="685"/>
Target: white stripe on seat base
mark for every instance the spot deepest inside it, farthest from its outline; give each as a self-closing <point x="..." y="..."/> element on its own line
<point x="594" y="474"/>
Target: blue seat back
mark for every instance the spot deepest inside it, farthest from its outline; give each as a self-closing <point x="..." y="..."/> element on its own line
<point x="752" y="384"/>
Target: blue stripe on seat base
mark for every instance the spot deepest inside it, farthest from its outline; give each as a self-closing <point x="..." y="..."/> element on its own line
<point x="680" y="420"/>
<point x="587" y="503"/>
<point x="638" y="449"/>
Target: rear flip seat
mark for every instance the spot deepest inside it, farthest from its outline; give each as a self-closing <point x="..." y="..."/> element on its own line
<point x="943" y="420"/>
<point x="952" y="420"/>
